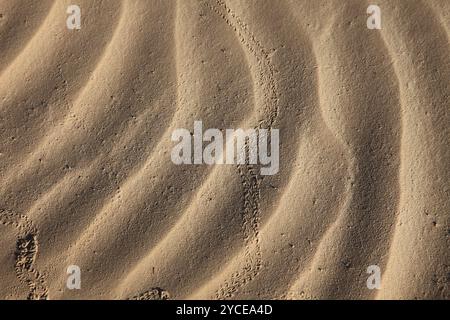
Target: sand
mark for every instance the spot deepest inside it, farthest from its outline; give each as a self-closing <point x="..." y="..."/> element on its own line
<point x="86" y="177"/>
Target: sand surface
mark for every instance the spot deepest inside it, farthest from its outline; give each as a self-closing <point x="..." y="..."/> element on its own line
<point x="86" y="178"/>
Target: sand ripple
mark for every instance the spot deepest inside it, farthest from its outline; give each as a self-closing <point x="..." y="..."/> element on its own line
<point x="85" y="171"/>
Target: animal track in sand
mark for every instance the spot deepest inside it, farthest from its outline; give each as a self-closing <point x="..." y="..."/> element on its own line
<point x="249" y="174"/>
<point x="153" y="294"/>
<point x="25" y="256"/>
